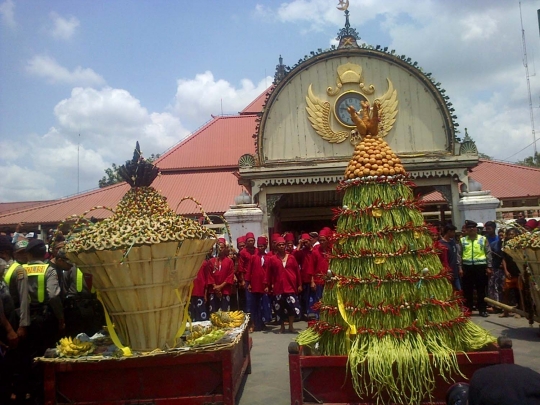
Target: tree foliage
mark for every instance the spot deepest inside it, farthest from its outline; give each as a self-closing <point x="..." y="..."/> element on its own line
<point x="532" y="161"/>
<point x="111" y="173"/>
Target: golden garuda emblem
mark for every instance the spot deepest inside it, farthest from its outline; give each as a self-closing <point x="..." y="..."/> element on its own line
<point x="377" y="113"/>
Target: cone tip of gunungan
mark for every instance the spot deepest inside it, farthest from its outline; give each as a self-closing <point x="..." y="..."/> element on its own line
<point x="373" y="157"/>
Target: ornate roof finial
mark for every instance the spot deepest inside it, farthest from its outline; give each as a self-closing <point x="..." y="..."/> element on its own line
<point x="347" y="36"/>
<point x="468" y="146"/>
<point x="280" y="71"/>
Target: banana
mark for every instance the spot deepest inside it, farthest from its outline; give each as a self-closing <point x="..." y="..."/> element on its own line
<point x="68" y="347"/>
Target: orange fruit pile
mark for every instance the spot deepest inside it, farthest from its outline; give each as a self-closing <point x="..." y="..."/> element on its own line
<point x="373" y="157"/>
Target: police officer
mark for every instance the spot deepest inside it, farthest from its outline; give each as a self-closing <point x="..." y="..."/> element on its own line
<point x="476" y="266"/>
<point x="83" y="312"/>
<point x="16" y="279"/>
<point x="47" y="314"/>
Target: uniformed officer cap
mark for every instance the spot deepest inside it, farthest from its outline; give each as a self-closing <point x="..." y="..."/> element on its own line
<point x="36" y="246"/>
<point x="20" y="245"/>
<point x="5" y="244"/>
<point x="470" y="224"/>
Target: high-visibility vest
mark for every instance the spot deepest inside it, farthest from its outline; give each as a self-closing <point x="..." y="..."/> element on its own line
<point x="474" y="251"/>
<point x="9" y="272"/>
<point x="79" y="283"/>
<point x="38" y="270"/>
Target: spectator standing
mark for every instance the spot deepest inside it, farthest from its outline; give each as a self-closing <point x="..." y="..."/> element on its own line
<point x="511" y="270"/>
<point x="475" y="268"/>
<point x="453" y="257"/>
<point x="495" y="283"/>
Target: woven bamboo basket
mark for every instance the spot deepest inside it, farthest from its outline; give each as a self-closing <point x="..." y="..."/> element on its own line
<point x="139" y="290"/>
<point x="531" y="258"/>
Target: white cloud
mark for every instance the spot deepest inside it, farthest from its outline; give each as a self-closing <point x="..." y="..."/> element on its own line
<point x="48" y="68"/>
<point x="109" y="122"/>
<point x="7" y="12"/>
<point x="63" y="28"/>
<point x="196" y="99"/>
<point x="24" y="184"/>
<point x="472" y="48"/>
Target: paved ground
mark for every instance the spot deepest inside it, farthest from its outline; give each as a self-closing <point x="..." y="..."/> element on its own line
<point x="269" y="381"/>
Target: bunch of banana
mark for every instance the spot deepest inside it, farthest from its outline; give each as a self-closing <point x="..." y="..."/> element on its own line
<point x="68" y="347"/>
<point x="198" y="330"/>
<point x="227" y="319"/>
<point x="208" y="338"/>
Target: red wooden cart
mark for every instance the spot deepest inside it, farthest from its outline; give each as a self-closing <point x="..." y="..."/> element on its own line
<point x="172" y="378"/>
<point x="324" y="379"/>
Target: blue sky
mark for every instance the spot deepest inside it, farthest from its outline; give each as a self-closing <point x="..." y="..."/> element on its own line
<point x="119" y="71"/>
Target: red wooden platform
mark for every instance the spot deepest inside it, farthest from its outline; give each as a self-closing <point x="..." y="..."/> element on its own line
<point x="324" y="379"/>
<point x="166" y="379"/>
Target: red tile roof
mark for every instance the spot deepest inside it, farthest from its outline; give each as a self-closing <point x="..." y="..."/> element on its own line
<point x="433" y="198"/>
<point x="256" y="106"/>
<point x="217" y="144"/>
<point x="17" y="206"/>
<point x="506" y="180"/>
<point x="214" y="190"/>
<point x="58" y="210"/>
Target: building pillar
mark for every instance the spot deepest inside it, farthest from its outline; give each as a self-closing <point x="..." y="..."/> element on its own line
<point x="244" y="218"/>
<point x="477" y="205"/>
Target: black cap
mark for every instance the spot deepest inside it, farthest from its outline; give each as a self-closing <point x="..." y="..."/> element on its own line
<point x="35" y="245"/>
<point x="5" y="244"/>
<point x="470" y="224"/>
<point x="491" y="224"/>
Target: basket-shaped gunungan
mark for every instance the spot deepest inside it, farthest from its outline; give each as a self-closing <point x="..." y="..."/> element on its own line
<point x="530" y="257"/>
<point x="139" y="290"/>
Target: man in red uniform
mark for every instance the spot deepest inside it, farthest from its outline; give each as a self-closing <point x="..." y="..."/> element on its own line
<point x="289" y="242"/>
<point x="220" y="280"/>
<point x="273" y="248"/>
<point x="244" y="258"/>
<point x="321" y="252"/>
<point x="198" y="308"/>
<point x="283" y="279"/>
<point x="240" y="243"/>
<point x="255" y="282"/>
<point x="307" y="261"/>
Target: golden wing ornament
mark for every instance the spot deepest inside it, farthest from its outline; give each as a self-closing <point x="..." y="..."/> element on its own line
<point x="319" y="112"/>
<point x="387" y="110"/>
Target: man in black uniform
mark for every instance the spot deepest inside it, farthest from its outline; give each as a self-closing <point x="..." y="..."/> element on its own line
<point x="46" y="312"/>
<point x="83" y="312"/>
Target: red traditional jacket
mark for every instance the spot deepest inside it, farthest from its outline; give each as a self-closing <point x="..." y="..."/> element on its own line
<point x="322" y="264"/>
<point x="256" y="272"/>
<point x="200" y="284"/>
<point x="221" y="271"/>
<point x="244" y="258"/>
<point x="284" y="276"/>
<point x="307" y="262"/>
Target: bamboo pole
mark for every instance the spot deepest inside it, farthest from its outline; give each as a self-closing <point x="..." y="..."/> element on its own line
<point x="510" y="309"/>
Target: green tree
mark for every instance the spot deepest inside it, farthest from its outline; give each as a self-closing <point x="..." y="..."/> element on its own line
<point x="532" y="161"/>
<point x="111" y="173"/>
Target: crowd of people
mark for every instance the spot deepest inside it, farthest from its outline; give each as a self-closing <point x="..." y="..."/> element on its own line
<point x="479" y="265"/>
<point x="275" y="281"/>
<point x="43" y="297"/>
